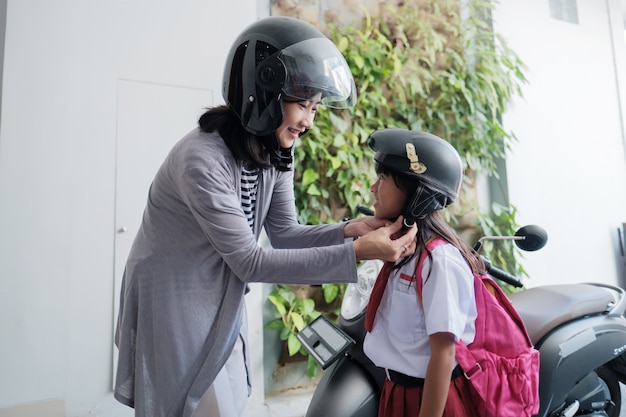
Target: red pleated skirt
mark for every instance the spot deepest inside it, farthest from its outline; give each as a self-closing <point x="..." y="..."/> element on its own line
<point x="399" y="401"/>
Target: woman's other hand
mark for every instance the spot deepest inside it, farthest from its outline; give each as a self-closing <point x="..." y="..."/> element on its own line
<point x="362" y="225"/>
<point x="386" y="242"/>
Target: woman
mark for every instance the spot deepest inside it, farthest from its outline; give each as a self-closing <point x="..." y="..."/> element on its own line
<point x="181" y="327"/>
<point x="412" y="338"/>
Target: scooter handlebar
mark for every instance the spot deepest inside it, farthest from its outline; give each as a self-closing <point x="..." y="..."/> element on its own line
<point x="502" y="275"/>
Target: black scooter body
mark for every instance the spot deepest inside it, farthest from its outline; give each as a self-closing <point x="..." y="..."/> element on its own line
<point x="345" y="390"/>
<point x="558" y="376"/>
<point x="577" y="346"/>
<point x="351" y="386"/>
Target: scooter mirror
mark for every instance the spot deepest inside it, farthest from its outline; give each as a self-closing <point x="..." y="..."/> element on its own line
<point x="535" y="238"/>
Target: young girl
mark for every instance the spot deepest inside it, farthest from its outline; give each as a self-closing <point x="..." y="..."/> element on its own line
<point x="412" y="338"/>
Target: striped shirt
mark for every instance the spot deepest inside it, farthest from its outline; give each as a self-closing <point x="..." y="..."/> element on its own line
<point x="249" y="185"/>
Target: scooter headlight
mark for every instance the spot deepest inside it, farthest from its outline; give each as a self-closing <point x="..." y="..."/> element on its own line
<point x="358" y="294"/>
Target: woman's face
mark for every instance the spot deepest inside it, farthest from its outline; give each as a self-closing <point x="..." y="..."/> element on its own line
<point x="298" y="117"/>
<point x="388" y="198"/>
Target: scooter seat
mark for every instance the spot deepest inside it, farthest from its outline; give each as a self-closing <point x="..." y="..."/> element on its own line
<point x="544" y="308"/>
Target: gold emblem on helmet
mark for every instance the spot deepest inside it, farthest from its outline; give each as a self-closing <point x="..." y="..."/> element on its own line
<point x="415" y="165"/>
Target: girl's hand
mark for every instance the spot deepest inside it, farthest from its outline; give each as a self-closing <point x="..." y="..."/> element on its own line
<point x="437" y="381"/>
<point x="387" y="243"/>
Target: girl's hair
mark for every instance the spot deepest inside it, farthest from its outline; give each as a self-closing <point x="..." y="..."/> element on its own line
<point x="244" y="145"/>
<point x="432" y="224"/>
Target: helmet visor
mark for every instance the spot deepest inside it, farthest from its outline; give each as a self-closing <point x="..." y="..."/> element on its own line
<point x="316" y="66"/>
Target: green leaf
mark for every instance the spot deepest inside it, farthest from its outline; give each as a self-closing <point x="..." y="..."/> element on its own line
<point x="335" y="162"/>
<point x="308" y="306"/>
<point x="313" y="190"/>
<point x="331" y="291"/>
<point x="339" y="140"/>
<point x="297" y="320"/>
<point x="311" y="367"/>
<point x="293" y="344"/>
<point x="278" y="304"/>
<point x="276" y="324"/>
<point x="343" y="43"/>
<point x="309" y="176"/>
<point x="358" y="61"/>
<point x="286" y="293"/>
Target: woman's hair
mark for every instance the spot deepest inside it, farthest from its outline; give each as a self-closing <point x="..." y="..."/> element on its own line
<point x="244" y="145"/>
<point x="432" y="224"/>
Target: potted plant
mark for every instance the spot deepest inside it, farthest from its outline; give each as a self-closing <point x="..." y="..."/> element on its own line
<point x="295" y="306"/>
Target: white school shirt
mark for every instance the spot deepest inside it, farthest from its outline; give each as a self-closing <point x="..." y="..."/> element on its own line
<point x="399" y="336"/>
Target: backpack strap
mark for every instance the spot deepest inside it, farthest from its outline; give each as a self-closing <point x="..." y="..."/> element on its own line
<point x="431" y="244"/>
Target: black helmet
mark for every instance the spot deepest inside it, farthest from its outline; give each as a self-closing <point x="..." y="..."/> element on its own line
<point x="283" y="55"/>
<point x="431" y="161"/>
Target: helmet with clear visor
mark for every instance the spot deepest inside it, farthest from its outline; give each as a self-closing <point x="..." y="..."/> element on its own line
<point x="279" y="56"/>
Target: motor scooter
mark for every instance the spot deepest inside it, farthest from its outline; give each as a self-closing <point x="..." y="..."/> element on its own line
<point x="579" y="330"/>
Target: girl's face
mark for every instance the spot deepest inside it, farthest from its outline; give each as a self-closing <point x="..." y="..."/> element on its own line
<point x="297" y="117"/>
<point x="389" y="200"/>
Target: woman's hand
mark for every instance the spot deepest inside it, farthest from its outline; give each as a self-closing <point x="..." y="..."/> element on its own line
<point x="387" y="243"/>
<point x="363" y="225"/>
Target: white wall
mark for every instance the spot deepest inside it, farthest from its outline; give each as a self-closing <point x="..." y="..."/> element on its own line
<point x="63" y="64"/>
<point x="567" y="171"/>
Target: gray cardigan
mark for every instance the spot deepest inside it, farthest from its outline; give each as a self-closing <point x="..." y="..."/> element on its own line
<point x="182" y="298"/>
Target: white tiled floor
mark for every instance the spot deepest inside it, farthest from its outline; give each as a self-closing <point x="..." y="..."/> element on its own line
<point x="292" y="405"/>
<point x="287" y="394"/>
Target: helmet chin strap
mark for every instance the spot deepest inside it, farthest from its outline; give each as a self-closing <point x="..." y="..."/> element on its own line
<point x="282" y="157"/>
<point x="423" y="202"/>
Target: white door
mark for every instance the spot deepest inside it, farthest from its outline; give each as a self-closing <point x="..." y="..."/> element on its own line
<point x="151" y="118"/>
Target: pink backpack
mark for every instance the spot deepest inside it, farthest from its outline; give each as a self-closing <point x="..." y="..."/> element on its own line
<point x="501" y="363"/>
